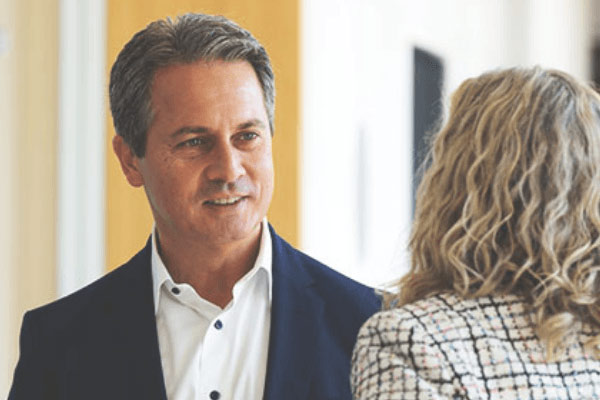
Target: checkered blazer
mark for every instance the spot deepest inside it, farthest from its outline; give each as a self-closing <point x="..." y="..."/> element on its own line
<point x="444" y="347"/>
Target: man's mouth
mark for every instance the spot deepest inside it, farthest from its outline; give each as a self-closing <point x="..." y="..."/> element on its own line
<point x="227" y="201"/>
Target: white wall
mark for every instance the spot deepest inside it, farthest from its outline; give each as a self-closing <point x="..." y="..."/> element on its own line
<point x="81" y="145"/>
<point x="357" y="106"/>
<point x="8" y="337"/>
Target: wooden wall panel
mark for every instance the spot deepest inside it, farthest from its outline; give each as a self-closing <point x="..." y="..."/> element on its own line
<point x="275" y="24"/>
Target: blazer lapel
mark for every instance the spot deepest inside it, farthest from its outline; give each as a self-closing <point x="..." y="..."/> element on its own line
<point x="295" y="316"/>
<point x="131" y="311"/>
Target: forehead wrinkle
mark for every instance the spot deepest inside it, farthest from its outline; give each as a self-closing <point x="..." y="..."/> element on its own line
<point x="252" y="123"/>
<point x="190" y="129"/>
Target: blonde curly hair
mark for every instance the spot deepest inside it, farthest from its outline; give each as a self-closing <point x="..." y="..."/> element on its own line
<point x="511" y="201"/>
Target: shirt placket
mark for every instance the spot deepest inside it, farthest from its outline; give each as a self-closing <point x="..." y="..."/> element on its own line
<point x="214" y="357"/>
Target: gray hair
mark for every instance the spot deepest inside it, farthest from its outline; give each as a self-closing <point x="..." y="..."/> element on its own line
<point x="190" y="38"/>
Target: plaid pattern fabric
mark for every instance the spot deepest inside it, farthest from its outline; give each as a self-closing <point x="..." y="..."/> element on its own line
<point x="444" y="347"/>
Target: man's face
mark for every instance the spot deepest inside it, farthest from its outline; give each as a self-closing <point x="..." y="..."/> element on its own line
<point x="208" y="168"/>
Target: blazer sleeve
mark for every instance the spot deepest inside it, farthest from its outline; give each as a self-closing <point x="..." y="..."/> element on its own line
<point x="29" y="381"/>
<point x="395" y="362"/>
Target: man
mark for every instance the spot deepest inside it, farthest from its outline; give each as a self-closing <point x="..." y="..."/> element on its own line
<point x="217" y="305"/>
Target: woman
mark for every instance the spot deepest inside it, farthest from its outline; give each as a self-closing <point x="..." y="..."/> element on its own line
<point x="503" y="297"/>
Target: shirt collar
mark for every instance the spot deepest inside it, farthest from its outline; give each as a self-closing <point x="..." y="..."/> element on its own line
<point x="264" y="261"/>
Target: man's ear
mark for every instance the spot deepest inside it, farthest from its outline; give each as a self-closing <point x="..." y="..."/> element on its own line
<point x="129" y="162"/>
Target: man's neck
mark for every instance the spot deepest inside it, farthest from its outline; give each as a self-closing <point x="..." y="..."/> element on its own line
<point x="211" y="269"/>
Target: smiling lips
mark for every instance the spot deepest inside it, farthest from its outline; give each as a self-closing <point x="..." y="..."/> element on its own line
<point x="227" y="201"/>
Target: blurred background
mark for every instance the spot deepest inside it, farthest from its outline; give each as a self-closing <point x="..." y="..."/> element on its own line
<point x="359" y="85"/>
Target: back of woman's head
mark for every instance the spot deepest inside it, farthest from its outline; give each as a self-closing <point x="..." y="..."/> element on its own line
<point x="511" y="201"/>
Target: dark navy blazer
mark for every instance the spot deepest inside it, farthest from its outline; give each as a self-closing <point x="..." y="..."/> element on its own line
<point x="101" y="342"/>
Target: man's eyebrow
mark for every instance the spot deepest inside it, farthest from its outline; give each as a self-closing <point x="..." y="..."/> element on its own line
<point x="255" y="122"/>
<point x="252" y="123"/>
<point x="189" y="129"/>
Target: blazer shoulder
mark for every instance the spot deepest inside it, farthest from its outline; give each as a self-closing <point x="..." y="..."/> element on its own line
<point x="350" y="292"/>
<point x="336" y="289"/>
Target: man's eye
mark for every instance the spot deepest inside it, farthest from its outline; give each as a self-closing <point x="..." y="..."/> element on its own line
<point x="248" y="136"/>
<point x="193" y="142"/>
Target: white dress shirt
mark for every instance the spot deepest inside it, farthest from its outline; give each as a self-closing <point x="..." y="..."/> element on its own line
<point x="208" y="352"/>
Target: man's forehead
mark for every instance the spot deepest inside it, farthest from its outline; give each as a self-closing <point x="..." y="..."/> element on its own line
<point x="201" y="67"/>
<point x="201" y="96"/>
<point x="206" y="79"/>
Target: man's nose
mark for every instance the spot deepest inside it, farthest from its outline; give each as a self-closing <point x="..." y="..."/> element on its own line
<point x="226" y="164"/>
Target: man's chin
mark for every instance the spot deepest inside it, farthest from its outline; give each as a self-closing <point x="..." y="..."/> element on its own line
<point x="225" y="233"/>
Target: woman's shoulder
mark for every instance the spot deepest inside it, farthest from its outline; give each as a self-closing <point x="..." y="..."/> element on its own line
<point x="442" y="313"/>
